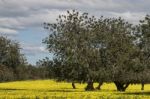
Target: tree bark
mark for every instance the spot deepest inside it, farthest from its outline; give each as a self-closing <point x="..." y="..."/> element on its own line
<point x="142" y="87"/>
<point x="99" y="85"/>
<point x="73" y="85"/>
<point x="89" y="86"/>
<point x="121" y="86"/>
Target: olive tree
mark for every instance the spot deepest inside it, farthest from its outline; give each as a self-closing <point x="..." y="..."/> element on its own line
<point x="10" y="55"/>
<point x="73" y="40"/>
<point x="143" y="32"/>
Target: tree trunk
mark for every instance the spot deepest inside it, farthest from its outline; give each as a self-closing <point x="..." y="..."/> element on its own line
<point x="73" y="85"/>
<point x="89" y="86"/>
<point x="121" y="86"/>
<point x="142" y="87"/>
<point x="99" y="85"/>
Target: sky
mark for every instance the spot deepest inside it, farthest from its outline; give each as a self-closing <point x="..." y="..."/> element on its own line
<point x="22" y="20"/>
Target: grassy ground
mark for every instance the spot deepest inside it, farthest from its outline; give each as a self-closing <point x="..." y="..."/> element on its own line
<point x="48" y="89"/>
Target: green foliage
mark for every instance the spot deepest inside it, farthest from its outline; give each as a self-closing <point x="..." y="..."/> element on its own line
<point x="6" y="74"/>
<point x="74" y="43"/>
<point x="45" y="68"/>
<point x="10" y="53"/>
<point x="144" y="46"/>
<point x="12" y="62"/>
<point x="101" y="49"/>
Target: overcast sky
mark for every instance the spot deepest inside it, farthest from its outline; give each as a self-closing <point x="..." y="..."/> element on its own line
<point x="22" y="20"/>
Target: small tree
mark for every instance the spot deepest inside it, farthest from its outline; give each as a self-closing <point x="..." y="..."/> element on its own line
<point x="10" y="55"/>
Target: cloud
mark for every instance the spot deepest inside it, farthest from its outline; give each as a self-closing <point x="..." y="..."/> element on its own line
<point x="21" y="14"/>
<point x="36" y="20"/>
<point x="32" y="49"/>
<point x="132" y="17"/>
<point x="7" y="31"/>
<point x="34" y="52"/>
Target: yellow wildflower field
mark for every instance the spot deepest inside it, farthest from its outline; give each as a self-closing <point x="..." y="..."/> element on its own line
<point x="49" y="89"/>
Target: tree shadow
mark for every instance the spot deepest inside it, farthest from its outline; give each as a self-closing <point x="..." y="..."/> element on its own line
<point x="40" y="90"/>
<point x="11" y="89"/>
<point x="63" y="91"/>
<point x="136" y="93"/>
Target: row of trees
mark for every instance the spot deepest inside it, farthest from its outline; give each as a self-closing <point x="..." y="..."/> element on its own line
<point x="90" y="49"/>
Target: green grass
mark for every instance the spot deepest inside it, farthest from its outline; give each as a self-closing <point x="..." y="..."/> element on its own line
<point x="49" y="89"/>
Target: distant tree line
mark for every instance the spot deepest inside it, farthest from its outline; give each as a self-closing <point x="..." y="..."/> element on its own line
<point x="89" y="49"/>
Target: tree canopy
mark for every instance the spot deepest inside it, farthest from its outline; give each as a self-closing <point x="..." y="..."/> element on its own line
<point x="92" y="49"/>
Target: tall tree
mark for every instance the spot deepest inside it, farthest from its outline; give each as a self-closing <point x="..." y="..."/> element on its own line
<point x="72" y="40"/>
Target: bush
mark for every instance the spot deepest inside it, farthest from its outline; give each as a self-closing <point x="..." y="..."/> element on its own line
<point x="6" y="74"/>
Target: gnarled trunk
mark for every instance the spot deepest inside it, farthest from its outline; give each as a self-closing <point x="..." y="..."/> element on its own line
<point x="99" y="85"/>
<point x="121" y="86"/>
<point x="142" y="87"/>
<point x="89" y="86"/>
<point x="73" y="85"/>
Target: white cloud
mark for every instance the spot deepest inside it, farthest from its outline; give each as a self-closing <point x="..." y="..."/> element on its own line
<point x="32" y="49"/>
<point x="9" y="22"/>
<point x="20" y="14"/>
<point x="36" y="20"/>
<point x="8" y="31"/>
<point x="132" y="17"/>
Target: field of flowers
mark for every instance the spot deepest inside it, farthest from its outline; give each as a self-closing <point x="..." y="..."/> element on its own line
<point x="49" y="89"/>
